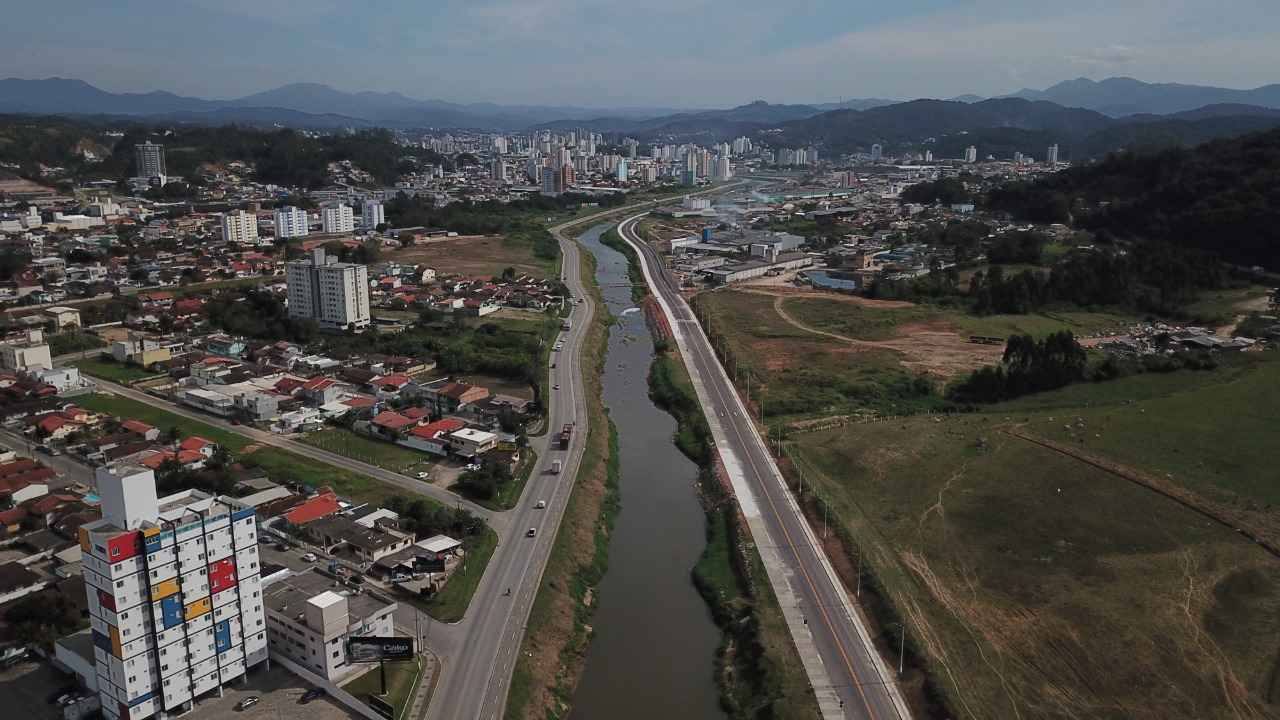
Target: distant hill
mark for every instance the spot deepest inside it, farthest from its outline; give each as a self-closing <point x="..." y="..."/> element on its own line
<point x="1119" y="96"/>
<point x="57" y="96"/>
<point x="843" y="131"/>
<point x="1218" y="197"/>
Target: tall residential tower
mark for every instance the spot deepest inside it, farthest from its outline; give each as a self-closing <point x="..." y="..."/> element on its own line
<point x="335" y="294"/>
<point x="175" y="596"/>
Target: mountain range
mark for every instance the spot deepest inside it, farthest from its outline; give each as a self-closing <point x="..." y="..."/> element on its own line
<point x="1086" y="118"/>
<point x="313" y="105"/>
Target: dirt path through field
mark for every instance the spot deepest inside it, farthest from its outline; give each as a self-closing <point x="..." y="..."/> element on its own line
<point x="935" y="347"/>
<point x="1228" y="517"/>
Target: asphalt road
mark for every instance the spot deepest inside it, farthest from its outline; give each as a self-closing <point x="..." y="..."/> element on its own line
<point x="476" y="683"/>
<point x="496" y="520"/>
<point x="850" y="678"/>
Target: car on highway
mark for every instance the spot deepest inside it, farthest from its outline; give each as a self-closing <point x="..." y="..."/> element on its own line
<point x="553" y="366"/>
<point x="309" y="557"/>
<point x="532" y="532"/>
<point x="247" y="702"/>
<point x="541" y="504"/>
<point x="555" y="387"/>
<point x="312" y="694"/>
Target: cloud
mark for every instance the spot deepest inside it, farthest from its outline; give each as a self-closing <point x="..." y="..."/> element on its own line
<point x="1107" y="57"/>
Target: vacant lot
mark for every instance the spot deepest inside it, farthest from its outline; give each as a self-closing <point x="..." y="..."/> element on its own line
<point x="474" y="256"/>
<point x="95" y="365"/>
<point x="385" y="455"/>
<point x="1036" y="585"/>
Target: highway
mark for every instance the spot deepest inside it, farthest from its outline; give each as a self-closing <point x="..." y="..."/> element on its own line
<point x="477" y="682"/>
<point x="848" y="675"/>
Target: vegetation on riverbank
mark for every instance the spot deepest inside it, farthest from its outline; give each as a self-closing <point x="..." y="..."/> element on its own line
<point x="612" y="239"/>
<point x="556" y="635"/>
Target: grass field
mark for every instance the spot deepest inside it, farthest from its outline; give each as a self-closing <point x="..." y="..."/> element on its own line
<point x="155" y="415"/>
<point x="385" y="455"/>
<point x="1035" y="585"/>
<point x="98" y="367"/>
<point x="402" y="678"/>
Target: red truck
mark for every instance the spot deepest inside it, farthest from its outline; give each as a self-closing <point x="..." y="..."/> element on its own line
<point x="565" y="433"/>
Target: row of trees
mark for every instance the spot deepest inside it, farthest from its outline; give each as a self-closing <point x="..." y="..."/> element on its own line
<point x="1029" y="366"/>
<point x="426" y="518"/>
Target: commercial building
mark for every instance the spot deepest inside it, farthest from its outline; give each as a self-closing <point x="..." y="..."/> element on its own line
<point x="338" y="219"/>
<point x="291" y="222"/>
<point x="240" y="227"/>
<point x="175" y="602"/>
<point x="310" y="619"/>
<point x="335" y="294"/>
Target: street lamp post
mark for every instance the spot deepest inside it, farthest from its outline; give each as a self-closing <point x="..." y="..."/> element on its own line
<point x="902" y="646"/>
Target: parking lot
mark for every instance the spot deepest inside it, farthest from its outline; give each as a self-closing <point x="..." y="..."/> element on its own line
<point x="278" y="691"/>
<point x="25" y="689"/>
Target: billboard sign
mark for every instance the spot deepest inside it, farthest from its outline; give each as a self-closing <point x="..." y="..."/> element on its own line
<point x="429" y="563"/>
<point x="382" y="707"/>
<point x="374" y="649"/>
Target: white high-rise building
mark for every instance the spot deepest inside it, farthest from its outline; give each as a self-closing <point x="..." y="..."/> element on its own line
<point x="174" y="591"/>
<point x="971" y="154"/>
<point x="719" y="171"/>
<point x="1051" y="157"/>
<point x="335" y="294"/>
<point x="240" y="227"/>
<point x="622" y="171"/>
<point x="742" y="146"/>
<point x="291" y="222"/>
<point x="338" y="219"/>
<point x="150" y="159"/>
<point x="372" y="213"/>
<point x="877" y="152"/>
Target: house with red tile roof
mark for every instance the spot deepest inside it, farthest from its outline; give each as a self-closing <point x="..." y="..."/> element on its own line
<point x="184" y="458"/>
<point x="324" y="503"/>
<point x="199" y="445"/>
<point x="431" y="437"/>
<point x="143" y="429"/>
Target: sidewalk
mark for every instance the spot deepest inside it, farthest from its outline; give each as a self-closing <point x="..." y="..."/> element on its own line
<point x="426" y="687"/>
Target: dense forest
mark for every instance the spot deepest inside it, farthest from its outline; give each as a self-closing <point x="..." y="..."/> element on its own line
<point x="284" y="157"/>
<point x="1222" y="197"/>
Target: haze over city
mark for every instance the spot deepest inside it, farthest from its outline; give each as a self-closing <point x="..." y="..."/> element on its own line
<point x="693" y="53"/>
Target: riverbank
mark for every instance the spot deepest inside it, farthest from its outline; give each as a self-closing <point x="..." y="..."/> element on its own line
<point x="557" y="631"/>
<point x="759" y="672"/>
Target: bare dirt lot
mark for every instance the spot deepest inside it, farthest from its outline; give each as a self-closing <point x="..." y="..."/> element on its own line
<point x="472" y="256"/>
<point x="935" y="347"/>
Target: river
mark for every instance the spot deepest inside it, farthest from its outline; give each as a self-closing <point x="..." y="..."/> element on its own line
<point x="653" y="654"/>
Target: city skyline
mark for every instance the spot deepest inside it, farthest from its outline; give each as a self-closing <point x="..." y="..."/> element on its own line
<point x="592" y="53"/>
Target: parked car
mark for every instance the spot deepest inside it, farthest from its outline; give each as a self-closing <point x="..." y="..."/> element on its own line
<point x="401" y="577"/>
<point x="247" y="702"/>
<point x="312" y="694"/>
<point x="422" y="474"/>
<point x="68" y="699"/>
<point x="57" y="695"/>
<point x="281" y="547"/>
<point x="309" y="557"/>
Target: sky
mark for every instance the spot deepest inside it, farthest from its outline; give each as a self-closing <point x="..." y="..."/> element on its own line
<point x="639" y="53"/>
